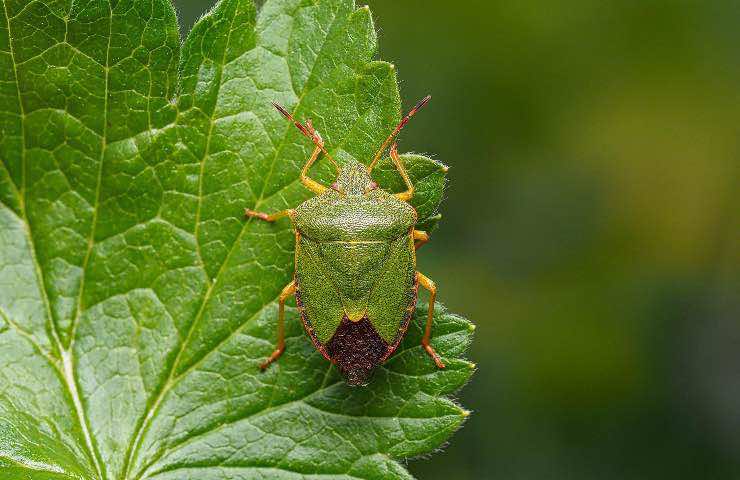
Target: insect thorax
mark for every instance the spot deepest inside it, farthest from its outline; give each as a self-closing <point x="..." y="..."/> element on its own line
<point x="354" y="179"/>
<point x="354" y="211"/>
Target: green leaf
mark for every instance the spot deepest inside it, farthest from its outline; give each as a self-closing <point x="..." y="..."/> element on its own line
<point x="136" y="303"/>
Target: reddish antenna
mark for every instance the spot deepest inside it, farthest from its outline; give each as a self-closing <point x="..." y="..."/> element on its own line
<point x="306" y="130"/>
<point x="398" y="128"/>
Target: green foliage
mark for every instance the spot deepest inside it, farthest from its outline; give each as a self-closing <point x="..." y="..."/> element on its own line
<point x="135" y="302"/>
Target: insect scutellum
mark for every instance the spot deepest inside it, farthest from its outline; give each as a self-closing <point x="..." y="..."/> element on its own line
<point x="355" y="281"/>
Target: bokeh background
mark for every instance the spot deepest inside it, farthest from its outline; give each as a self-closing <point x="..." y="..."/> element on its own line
<point x="591" y="229"/>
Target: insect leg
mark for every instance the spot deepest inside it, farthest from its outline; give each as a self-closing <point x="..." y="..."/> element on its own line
<point x="425" y="282"/>
<point x="315" y="137"/>
<point x="268" y="218"/>
<point x="408" y="194"/>
<point x="311" y="184"/>
<point x="420" y="238"/>
<point x="280" y="348"/>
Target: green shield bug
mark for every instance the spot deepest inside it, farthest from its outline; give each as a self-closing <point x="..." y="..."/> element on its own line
<point x="355" y="280"/>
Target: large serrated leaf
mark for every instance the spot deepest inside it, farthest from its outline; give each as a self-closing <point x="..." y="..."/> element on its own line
<point x="135" y="302"/>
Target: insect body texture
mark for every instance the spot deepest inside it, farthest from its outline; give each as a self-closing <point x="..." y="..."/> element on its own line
<point x="355" y="279"/>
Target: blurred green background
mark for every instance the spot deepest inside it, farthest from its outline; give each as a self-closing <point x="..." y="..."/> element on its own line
<point x="591" y="229"/>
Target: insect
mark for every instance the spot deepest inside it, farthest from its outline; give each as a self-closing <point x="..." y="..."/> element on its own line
<point x="355" y="280"/>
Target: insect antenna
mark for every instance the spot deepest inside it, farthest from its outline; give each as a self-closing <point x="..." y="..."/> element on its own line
<point x="308" y="131"/>
<point x="398" y="128"/>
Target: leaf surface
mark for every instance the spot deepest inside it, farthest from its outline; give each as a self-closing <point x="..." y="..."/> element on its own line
<point x="136" y="303"/>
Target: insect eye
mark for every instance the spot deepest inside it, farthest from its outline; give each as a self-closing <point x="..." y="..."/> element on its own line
<point x="335" y="186"/>
<point x="372" y="186"/>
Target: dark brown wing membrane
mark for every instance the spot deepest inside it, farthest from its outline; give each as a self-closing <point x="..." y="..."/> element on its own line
<point x="356" y="348"/>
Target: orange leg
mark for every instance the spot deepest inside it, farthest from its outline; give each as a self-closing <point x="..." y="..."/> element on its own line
<point x="429" y="285"/>
<point x="310" y="183"/>
<point x="280" y="348"/>
<point x="315" y="137"/>
<point x="420" y="238"/>
<point x="409" y="193"/>
<point x="268" y="218"/>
